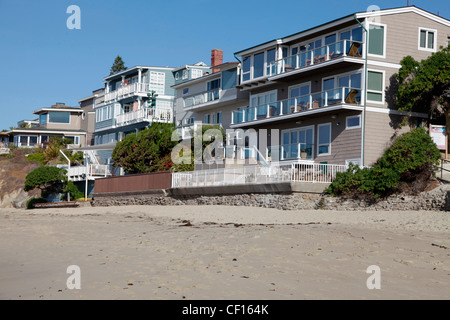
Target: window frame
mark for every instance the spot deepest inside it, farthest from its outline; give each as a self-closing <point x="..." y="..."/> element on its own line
<point x="384" y="39"/>
<point x="383" y="80"/>
<point x="296" y="129"/>
<point x="353" y="127"/>
<point x="318" y="137"/>
<point x="434" y="31"/>
<point x="70" y="116"/>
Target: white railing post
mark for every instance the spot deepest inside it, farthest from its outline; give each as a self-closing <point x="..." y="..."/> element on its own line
<point x="268" y="111"/>
<point x="344" y="49"/>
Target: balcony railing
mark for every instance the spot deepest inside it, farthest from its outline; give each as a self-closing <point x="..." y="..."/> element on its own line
<point x="319" y="55"/>
<point x="302" y="172"/>
<point x="91" y="170"/>
<point x="343" y="95"/>
<point x="145" y="114"/>
<point x="127" y="91"/>
<point x="201" y="98"/>
<point x="293" y="151"/>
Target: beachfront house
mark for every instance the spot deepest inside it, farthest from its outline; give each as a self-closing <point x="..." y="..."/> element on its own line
<point x="329" y="89"/>
<point x="210" y="97"/>
<point x="58" y="120"/>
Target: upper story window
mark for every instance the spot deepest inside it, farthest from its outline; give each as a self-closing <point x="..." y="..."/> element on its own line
<point x="229" y="79"/>
<point x="375" y="81"/>
<point x="157" y="81"/>
<point x="427" y="39"/>
<point x="59" y="117"/>
<point x="258" y="65"/>
<point x="43" y="119"/>
<point x="196" y="73"/>
<point x="185" y="90"/>
<point x="377" y="40"/>
<point x="184" y="74"/>
<point x="214" y="84"/>
<point x="246" y="68"/>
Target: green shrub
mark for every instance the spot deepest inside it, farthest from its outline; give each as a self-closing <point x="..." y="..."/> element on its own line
<point x="71" y="188"/>
<point x="406" y="166"/>
<point x="47" y="179"/>
<point x="32" y="201"/>
<point x="409" y="152"/>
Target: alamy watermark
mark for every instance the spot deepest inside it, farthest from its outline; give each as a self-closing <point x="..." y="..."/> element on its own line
<point x="74" y="20"/>
<point x="374" y="280"/>
<point x="74" y="280"/>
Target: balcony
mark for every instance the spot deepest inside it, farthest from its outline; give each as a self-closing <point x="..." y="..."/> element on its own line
<point x="92" y="171"/>
<point x="213" y="98"/>
<point x="201" y="98"/>
<point x="311" y="103"/>
<point x="157" y="114"/>
<point x="133" y="89"/>
<point x="344" y="50"/>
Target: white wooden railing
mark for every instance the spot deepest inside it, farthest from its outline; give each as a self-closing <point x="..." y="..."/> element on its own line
<point x="91" y="170"/>
<point x="127" y="91"/>
<point x="302" y="172"/>
<point x="145" y="114"/>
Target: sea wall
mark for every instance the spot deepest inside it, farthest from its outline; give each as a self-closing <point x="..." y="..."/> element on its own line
<point x="436" y="199"/>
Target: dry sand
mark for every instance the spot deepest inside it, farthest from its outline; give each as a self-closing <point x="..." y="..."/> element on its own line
<point x="219" y="252"/>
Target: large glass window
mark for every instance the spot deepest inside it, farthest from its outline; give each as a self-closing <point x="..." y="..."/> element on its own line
<point x="376" y="40"/>
<point x="59" y="117"/>
<point x="375" y="86"/>
<point x="246" y="68"/>
<point x="258" y="65"/>
<point x="324" y="139"/>
<point x="229" y="79"/>
<point x="271" y="56"/>
<point x="297" y="141"/>
<point x="42" y="119"/>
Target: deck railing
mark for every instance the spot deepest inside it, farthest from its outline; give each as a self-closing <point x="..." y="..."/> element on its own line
<point x="302" y="172"/>
<point x="200" y="98"/>
<point x="127" y="91"/>
<point x="342" y="95"/>
<point x="91" y="170"/>
<point x="145" y="114"/>
<point x="319" y="55"/>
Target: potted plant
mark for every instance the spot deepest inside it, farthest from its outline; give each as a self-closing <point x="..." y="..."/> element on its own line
<point x="303" y="153"/>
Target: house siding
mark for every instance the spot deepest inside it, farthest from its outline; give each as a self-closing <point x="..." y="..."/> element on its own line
<point x="381" y="130"/>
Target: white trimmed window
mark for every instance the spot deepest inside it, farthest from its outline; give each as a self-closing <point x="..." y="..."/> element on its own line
<point x="377" y="40"/>
<point x="324" y="139"/>
<point x="157" y="80"/>
<point x="196" y="73"/>
<point x="427" y="39"/>
<point x="353" y="122"/>
<point x="375" y="82"/>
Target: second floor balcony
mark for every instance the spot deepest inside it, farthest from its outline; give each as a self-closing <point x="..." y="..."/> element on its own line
<point x="296" y="106"/>
<point x="344" y="50"/>
<point x="126" y="91"/>
<point x="158" y="114"/>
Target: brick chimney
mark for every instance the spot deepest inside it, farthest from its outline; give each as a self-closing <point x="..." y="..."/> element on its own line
<point x="216" y="59"/>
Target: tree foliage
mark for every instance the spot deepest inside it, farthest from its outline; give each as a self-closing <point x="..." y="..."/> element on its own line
<point x="117" y="66"/>
<point x="425" y="86"/>
<point x="142" y="152"/>
<point x="47" y="179"/>
<point x="406" y="166"/>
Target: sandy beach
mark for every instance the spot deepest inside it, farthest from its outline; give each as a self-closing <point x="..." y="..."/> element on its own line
<point x="219" y="252"/>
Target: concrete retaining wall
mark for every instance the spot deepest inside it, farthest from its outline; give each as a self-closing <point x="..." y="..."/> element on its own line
<point x="436" y="199"/>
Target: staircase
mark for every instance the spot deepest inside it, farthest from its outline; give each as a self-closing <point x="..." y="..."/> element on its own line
<point x="443" y="171"/>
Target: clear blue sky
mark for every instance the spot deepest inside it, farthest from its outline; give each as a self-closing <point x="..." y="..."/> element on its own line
<point x="43" y="62"/>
